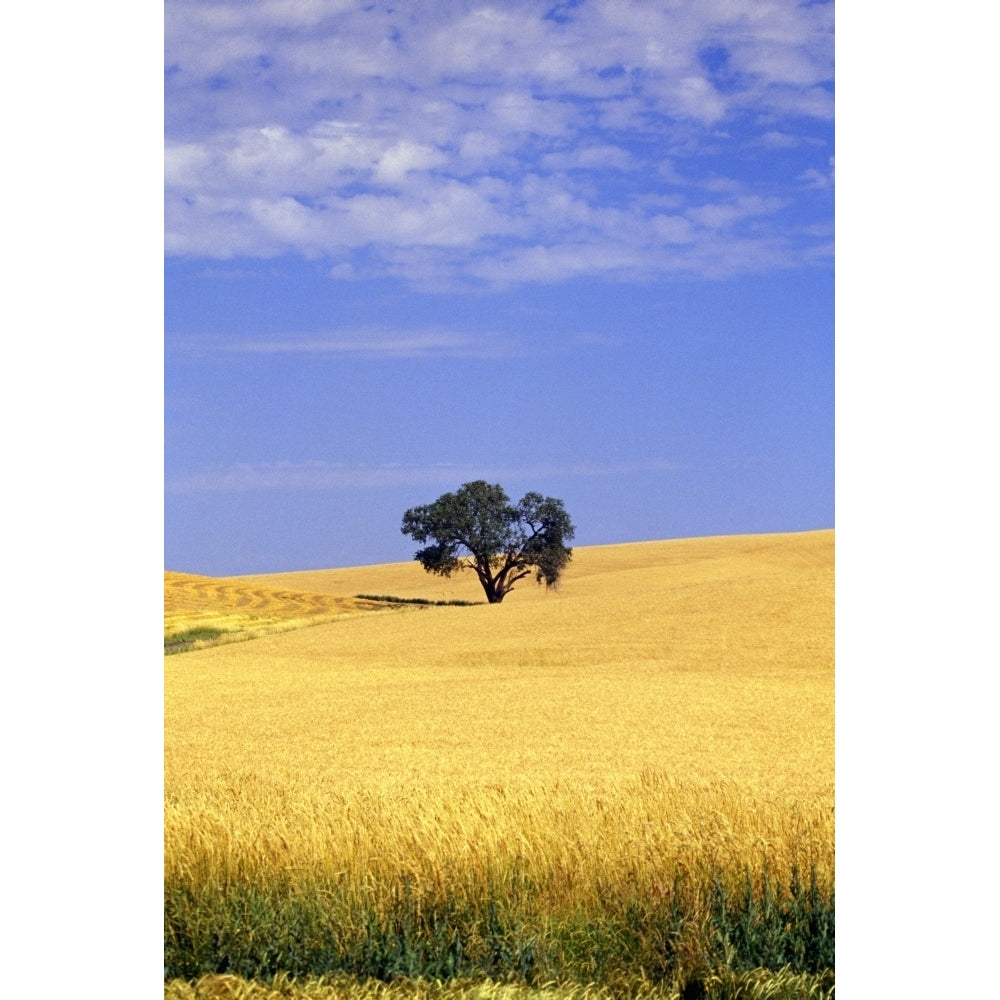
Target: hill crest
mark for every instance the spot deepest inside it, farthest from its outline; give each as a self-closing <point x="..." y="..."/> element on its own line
<point x="202" y="610"/>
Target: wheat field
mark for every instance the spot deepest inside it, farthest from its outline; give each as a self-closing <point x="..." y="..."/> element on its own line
<point x="201" y="611"/>
<point x="660" y="725"/>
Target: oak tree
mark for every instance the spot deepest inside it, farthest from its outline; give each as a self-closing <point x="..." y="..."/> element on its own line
<point x="478" y="528"/>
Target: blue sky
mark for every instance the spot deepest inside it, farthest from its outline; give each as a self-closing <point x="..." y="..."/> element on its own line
<point x="584" y="249"/>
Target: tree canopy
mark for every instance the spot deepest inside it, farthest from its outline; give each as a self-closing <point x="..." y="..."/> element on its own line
<point x="478" y="528"/>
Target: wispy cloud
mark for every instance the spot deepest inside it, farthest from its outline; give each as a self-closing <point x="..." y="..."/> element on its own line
<point x="366" y="343"/>
<point x="452" y="145"/>
<point x="318" y="475"/>
<point x="822" y="179"/>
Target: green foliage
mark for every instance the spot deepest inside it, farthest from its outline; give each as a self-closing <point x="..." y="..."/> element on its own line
<point x="772" y="929"/>
<point x="702" y="938"/>
<point x="478" y="528"/>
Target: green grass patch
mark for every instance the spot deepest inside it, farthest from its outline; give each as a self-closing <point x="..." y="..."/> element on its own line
<point x="181" y="641"/>
<point x="241" y="628"/>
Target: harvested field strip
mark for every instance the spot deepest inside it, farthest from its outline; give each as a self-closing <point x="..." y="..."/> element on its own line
<point x="200" y="611"/>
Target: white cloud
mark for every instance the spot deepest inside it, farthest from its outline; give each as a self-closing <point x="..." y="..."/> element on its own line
<point x="519" y="111"/>
<point x="559" y="262"/>
<point x="725" y="214"/>
<point x="478" y="145"/>
<point x="402" y="158"/>
<point x="450" y="214"/>
<point x="672" y="228"/>
<point x="478" y="138"/>
<point x="319" y="475"/>
<point x="357" y="343"/>
<point x="696" y="97"/>
<point x="185" y="164"/>
<point x="775" y="139"/>
<point x="820" y="179"/>
<point x="589" y="158"/>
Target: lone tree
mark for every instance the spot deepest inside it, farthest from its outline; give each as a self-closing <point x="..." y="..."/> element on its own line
<point x="476" y="527"/>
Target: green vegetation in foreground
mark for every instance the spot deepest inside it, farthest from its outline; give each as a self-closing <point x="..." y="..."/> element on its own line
<point x="389" y="599"/>
<point x="757" y="984"/>
<point x="693" y="938"/>
<point x="179" y="642"/>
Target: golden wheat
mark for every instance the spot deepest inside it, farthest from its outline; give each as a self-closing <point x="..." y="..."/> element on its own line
<point x="573" y="843"/>
<point x="232" y="610"/>
<point x="344" y="988"/>
<point x="755" y="985"/>
<point x="714" y="663"/>
<point x="669" y="710"/>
